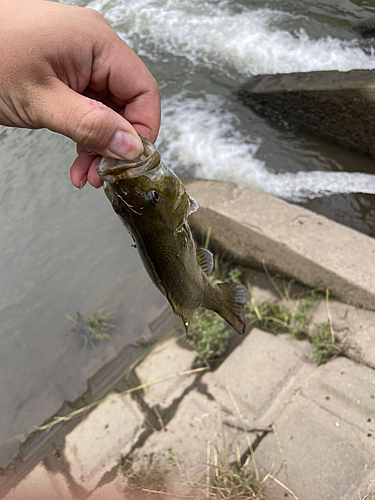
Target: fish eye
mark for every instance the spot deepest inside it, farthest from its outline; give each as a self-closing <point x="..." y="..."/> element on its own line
<point x="154" y="196"/>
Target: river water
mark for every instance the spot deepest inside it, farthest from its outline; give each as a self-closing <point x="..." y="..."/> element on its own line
<point x="63" y="250"/>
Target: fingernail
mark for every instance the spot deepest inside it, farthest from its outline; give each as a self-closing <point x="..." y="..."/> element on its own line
<point x="82" y="182"/>
<point x="125" y="146"/>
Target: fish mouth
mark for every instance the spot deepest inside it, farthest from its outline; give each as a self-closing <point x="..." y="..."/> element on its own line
<point x="111" y="170"/>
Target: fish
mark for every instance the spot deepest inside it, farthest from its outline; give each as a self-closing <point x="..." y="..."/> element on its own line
<point x="153" y="204"/>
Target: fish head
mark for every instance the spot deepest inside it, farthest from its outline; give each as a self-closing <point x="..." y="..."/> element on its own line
<point x="145" y="188"/>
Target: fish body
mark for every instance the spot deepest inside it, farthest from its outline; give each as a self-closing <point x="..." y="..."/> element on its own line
<point x="154" y="205"/>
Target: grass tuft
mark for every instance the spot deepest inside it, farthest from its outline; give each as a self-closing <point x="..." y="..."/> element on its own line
<point x="325" y="345"/>
<point x="209" y="334"/>
<point x="208" y="330"/>
<point x="277" y="318"/>
<point x="234" y="481"/>
<point x="92" y="329"/>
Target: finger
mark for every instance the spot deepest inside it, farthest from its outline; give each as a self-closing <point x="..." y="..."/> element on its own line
<point x="89" y="123"/>
<point x="141" y="114"/>
<point x="129" y="82"/>
<point x="79" y="169"/>
<point x="92" y="176"/>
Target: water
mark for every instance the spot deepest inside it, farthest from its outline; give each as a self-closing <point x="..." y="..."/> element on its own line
<point x="63" y="250"/>
<point x="200" y="52"/>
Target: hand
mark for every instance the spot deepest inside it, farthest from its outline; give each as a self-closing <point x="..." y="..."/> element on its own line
<point x="65" y="69"/>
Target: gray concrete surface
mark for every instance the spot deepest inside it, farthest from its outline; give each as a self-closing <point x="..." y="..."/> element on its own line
<point x="91" y="449"/>
<point x="337" y="105"/>
<point x="256" y="228"/>
<point x="312" y="427"/>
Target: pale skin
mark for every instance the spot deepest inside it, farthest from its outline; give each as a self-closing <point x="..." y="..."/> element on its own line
<point x="63" y="68"/>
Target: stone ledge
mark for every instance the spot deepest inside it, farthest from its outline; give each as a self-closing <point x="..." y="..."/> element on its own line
<point x="334" y="104"/>
<point x="256" y="229"/>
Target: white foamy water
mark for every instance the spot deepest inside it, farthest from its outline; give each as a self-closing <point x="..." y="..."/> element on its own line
<point x="200" y="135"/>
<point x="213" y="34"/>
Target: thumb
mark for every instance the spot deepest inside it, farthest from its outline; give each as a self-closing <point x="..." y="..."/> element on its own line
<point x="90" y="123"/>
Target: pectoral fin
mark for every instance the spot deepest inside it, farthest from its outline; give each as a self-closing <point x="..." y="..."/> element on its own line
<point x="205" y="260"/>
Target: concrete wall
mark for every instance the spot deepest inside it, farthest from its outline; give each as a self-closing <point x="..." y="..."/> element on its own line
<point x="337" y="105"/>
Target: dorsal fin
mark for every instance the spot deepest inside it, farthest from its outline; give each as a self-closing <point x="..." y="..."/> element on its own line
<point x="205" y="260"/>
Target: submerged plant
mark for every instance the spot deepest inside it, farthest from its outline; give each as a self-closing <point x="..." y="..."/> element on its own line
<point x="94" y="328"/>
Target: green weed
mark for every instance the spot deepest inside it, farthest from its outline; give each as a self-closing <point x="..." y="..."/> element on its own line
<point x="325" y="345"/>
<point x="92" y="329"/>
<point x="224" y="272"/>
<point x="210" y="335"/>
<point x="277" y="318"/>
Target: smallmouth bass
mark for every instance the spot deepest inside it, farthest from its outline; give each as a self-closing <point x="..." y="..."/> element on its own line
<point x="153" y="204"/>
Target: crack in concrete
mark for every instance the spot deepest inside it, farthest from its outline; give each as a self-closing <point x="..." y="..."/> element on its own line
<point x="166" y="414"/>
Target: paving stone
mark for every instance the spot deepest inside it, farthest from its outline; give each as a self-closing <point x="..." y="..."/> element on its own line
<point x="327" y="444"/>
<point x="166" y="359"/>
<point x="262" y="373"/>
<point x="351" y="323"/>
<point x="347" y="390"/>
<point x="361" y="323"/>
<point x="41" y="485"/>
<point x="183" y="443"/>
<point x="109" y="431"/>
<point x="272" y="369"/>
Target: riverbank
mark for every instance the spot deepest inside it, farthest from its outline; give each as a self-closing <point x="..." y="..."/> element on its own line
<point x="185" y="427"/>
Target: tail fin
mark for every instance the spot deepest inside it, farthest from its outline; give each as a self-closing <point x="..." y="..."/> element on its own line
<point x="234" y="297"/>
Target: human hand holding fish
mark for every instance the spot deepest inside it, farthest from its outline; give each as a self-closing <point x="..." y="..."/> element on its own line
<point x="65" y="69"/>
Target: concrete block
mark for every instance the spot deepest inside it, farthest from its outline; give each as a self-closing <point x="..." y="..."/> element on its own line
<point x="261" y="369"/>
<point x="315" y="453"/>
<point x="166" y="359"/>
<point x="183" y="444"/>
<point x="337" y="105"/>
<point x="109" y="431"/>
<point x="325" y="443"/>
<point x="41" y="484"/>
<point x="263" y="373"/>
<point x="346" y="390"/>
<point x="258" y="229"/>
